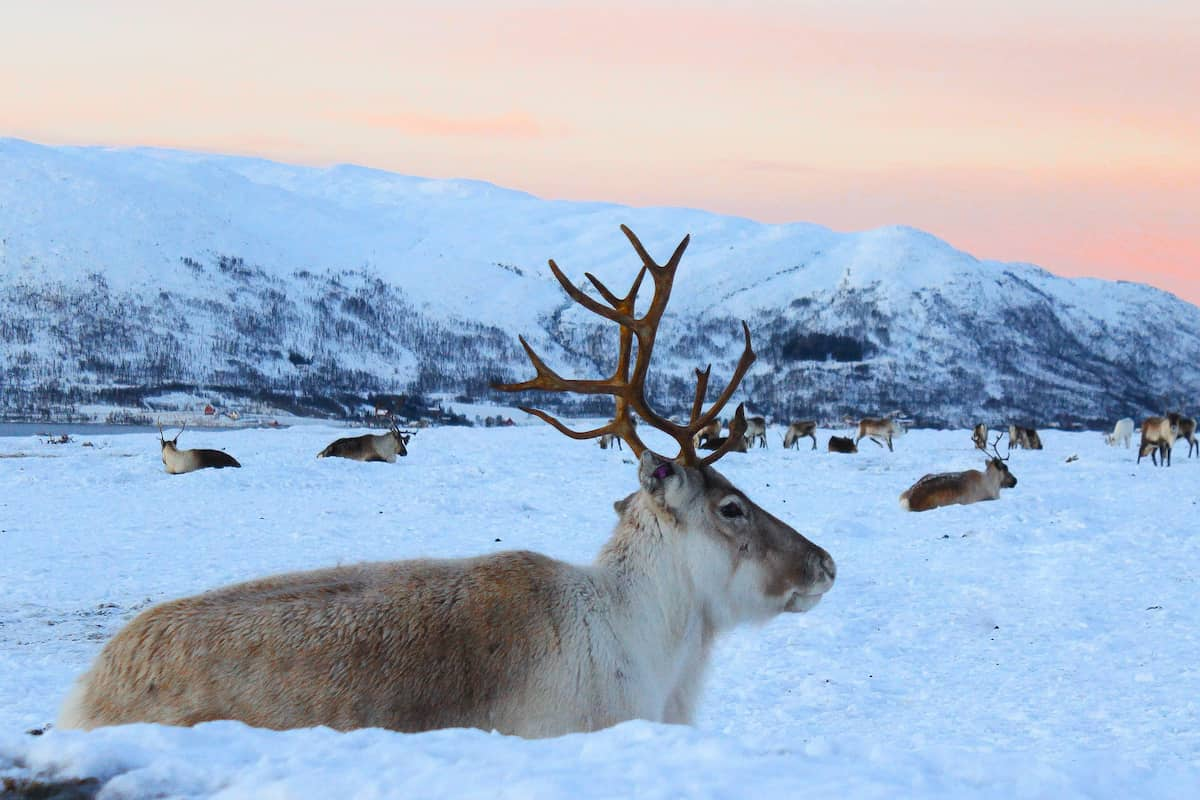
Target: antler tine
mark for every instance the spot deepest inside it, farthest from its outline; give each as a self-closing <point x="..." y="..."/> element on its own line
<point x="580" y="297"/>
<point x="996" y="450"/>
<point x="629" y="390"/>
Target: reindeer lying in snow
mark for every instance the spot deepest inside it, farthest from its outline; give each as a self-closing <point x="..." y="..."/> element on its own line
<point x="841" y="444"/>
<point x="515" y="642"/>
<point x="950" y="488"/>
<point x="371" y="446"/>
<point x="177" y="462"/>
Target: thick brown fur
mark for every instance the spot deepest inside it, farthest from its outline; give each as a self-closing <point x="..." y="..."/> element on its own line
<point x="842" y="444"/>
<point x="951" y="488"/>
<point x="798" y="430"/>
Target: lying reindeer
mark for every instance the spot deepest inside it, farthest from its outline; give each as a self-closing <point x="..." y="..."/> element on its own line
<point x="842" y="444"/>
<point x="718" y="442"/>
<point x="875" y="429"/>
<point x="177" y="462"/>
<point x="979" y="436"/>
<point x="950" y="488"/>
<point x="1026" y="438"/>
<point x="515" y="642"/>
<point x="371" y="446"/>
<point x="1158" y="439"/>
<point x="798" y="430"/>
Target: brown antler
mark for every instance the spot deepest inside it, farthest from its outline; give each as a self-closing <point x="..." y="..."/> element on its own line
<point x="629" y="390"/>
<point x="996" y="451"/>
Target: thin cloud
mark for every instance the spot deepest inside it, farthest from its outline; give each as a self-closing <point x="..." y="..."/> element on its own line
<point x="506" y="126"/>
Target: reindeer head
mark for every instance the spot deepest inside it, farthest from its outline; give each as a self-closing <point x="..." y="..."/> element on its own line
<point x="997" y="463"/>
<point x="748" y="563"/>
<point x="400" y="438"/>
<point x="169" y="445"/>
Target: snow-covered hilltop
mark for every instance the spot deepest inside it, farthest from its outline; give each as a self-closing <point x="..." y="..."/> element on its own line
<point x="131" y="273"/>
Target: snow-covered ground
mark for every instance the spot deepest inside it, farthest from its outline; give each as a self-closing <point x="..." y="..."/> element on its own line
<point x="1044" y="645"/>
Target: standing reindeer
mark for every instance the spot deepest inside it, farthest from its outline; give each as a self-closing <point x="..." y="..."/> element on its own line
<point x="1122" y="432"/>
<point x="798" y="430"/>
<point x="1185" y="428"/>
<point x="1158" y="439"/>
<point x="515" y="642"/>
<point x="951" y="488"/>
<point x="177" y="462"/>
<point x="756" y="430"/>
<point x="877" y="428"/>
<point x="371" y="446"/>
<point x="979" y="435"/>
<point x="1026" y="438"/>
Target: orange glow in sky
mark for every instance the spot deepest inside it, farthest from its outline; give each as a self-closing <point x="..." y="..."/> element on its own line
<point x="1062" y="133"/>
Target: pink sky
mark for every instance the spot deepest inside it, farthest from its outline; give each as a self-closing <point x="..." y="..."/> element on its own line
<point x="1062" y="133"/>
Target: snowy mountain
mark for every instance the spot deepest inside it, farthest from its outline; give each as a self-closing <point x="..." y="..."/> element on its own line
<point x="129" y="274"/>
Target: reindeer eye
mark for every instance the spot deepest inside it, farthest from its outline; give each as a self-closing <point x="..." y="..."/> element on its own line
<point x="731" y="510"/>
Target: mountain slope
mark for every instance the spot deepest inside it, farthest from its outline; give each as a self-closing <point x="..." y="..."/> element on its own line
<point x="125" y="273"/>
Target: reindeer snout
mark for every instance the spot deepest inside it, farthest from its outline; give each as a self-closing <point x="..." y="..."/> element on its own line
<point x="824" y="571"/>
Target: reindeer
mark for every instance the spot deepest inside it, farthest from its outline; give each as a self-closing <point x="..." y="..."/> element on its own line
<point x="718" y="442"/>
<point x="1026" y="438"/>
<point x="371" y="446"/>
<point x="842" y="444"/>
<point x="970" y="486"/>
<point x="798" y="430"/>
<point x="1185" y="428"/>
<point x="875" y="428"/>
<point x="610" y="440"/>
<point x="515" y="642"/>
<point x="756" y="430"/>
<point x="1122" y="432"/>
<point x="177" y="462"/>
<point x="979" y="435"/>
<point x="710" y="432"/>
<point x="1158" y="439"/>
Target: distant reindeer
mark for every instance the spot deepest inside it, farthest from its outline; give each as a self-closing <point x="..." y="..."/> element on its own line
<point x="951" y="488"/>
<point x="756" y="430"/>
<point x="711" y="431"/>
<point x="371" y="446"/>
<point x="177" y="462"/>
<point x="608" y="440"/>
<point x="979" y="436"/>
<point x="718" y="442"/>
<point x="1158" y="439"/>
<point x="1122" y="433"/>
<point x="798" y="430"/>
<point x="1185" y="428"/>
<point x="1026" y="438"/>
<point x="842" y="444"/>
<point x="877" y="428"/>
<point x="514" y="642"/>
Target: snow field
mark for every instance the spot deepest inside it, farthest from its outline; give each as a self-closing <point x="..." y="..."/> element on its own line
<point x="1043" y="645"/>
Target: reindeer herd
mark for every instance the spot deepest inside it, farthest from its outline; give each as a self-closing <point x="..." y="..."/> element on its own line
<point x="518" y="642"/>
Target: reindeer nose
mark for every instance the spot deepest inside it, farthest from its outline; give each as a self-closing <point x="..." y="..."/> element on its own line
<point x="825" y="570"/>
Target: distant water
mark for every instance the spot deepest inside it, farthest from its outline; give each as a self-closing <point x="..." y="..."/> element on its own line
<point x="81" y="429"/>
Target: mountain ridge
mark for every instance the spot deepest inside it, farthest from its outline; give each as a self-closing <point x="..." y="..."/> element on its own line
<point x="322" y="286"/>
